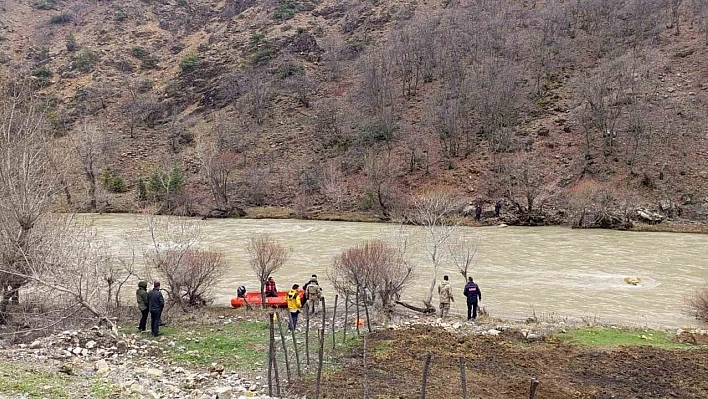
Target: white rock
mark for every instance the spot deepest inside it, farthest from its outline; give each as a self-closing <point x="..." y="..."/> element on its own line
<point x="76" y="351"/>
<point x="137" y="388"/>
<point x="101" y="366"/>
<point x="493" y="332"/>
<point x="90" y="344"/>
<point x="153" y="372"/>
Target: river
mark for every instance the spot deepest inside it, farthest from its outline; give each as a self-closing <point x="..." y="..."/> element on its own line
<point x="552" y="272"/>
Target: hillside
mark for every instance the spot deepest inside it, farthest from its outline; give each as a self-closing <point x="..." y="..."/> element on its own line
<point x="568" y="111"/>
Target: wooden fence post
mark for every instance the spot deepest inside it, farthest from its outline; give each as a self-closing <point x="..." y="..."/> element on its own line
<point x="321" y="351"/>
<point x="273" y="355"/>
<point x="358" y="316"/>
<point x="426" y="369"/>
<point x="463" y="377"/>
<point x="307" y="335"/>
<point x="334" y="319"/>
<point x="270" y="355"/>
<point x="285" y="350"/>
<point x="366" y="374"/>
<point x="534" y="387"/>
<point x="346" y="316"/>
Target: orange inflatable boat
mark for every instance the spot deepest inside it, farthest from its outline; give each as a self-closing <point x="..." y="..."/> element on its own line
<point x="254" y="298"/>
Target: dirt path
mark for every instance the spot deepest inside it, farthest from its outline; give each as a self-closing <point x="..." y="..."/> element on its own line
<point x="502" y="366"/>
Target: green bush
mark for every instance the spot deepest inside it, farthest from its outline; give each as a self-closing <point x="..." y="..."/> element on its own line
<point x="162" y="183"/>
<point x="86" y="59"/>
<point x="120" y="15"/>
<point x="189" y="61"/>
<point x="112" y="181"/>
<point x="257" y="37"/>
<point x="71" y="44"/>
<point x="289" y="69"/>
<point x="62" y="18"/>
<point x="262" y="54"/>
<point x="142" y="193"/>
<point x="44" y="5"/>
<point x="42" y="76"/>
<point x="139" y="52"/>
<point x="375" y="132"/>
<point x="286" y="9"/>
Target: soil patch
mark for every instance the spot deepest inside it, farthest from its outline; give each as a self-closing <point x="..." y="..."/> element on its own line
<point x="502" y="366"/>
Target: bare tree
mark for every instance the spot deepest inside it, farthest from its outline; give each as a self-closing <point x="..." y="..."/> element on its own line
<point x="218" y="166"/>
<point x="462" y="253"/>
<point x="433" y="211"/>
<point x="90" y="148"/>
<point x="375" y="270"/>
<point x="698" y="304"/>
<point x="191" y="275"/>
<point x="380" y="172"/>
<point x="259" y="95"/>
<point x="28" y="184"/>
<point x="333" y="185"/>
<point x="267" y="257"/>
<point x="522" y="179"/>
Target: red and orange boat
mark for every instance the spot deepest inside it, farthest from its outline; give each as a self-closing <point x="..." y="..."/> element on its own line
<point x="254" y="298"/>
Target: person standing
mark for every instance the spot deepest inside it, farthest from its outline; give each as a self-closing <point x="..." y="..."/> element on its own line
<point x="155" y="304"/>
<point x="294" y="305"/>
<point x="314" y="293"/>
<point x="270" y="290"/>
<point x="497" y="209"/>
<point x="478" y="212"/>
<point x="141" y="295"/>
<point x="445" y="296"/>
<point x="474" y="295"/>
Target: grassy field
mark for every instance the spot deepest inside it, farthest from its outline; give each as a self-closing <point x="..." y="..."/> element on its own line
<point x="609" y="337"/>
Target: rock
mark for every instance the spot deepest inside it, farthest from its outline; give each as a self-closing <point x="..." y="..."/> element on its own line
<point x="703" y="174"/>
<point x="216" y="368"/>
<point x="90" y="344"/>
<point x="66" y="369"/>
<point x="543" y="131"/>
<point x="695" y="337"/>
<point x="634" y="280"/>
<point x="534" y="337"/>
<point x="223" y="392"/>
<point x="153" y="372"/>
<point x="76" y="351"/>
<point x="137" y="388"/>
<point x="35" y="344"/>
<point x="493" y="332"/>
<point x="101" y="367"/>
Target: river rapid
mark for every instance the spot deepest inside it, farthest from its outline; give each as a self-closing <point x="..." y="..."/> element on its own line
<point x="552" y="272"/>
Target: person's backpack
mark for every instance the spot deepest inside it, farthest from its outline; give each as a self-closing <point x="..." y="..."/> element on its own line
<point x="313" y="290"/>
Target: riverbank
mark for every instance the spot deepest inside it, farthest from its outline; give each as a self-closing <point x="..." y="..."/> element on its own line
<point x="223" y="352"/>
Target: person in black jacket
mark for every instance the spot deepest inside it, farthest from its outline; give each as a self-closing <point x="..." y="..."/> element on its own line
<point x="155" y="304"/>
<point x="474" y="295"/>
<point x="141" y="296"/>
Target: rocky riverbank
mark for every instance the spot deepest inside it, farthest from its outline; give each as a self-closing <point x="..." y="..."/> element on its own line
<point x="179" y="364"/>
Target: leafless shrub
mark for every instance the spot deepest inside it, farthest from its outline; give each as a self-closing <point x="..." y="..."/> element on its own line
<point x="374" y="270"/>
<point x="333" y="185"/>
<point x="259" y="92"/>
<point x="191" y="274"/>
<point x="522" y="178"/>
<point x="91" y="147"/>
<point x="267" y="257"/>
<point x="698" y="304"/>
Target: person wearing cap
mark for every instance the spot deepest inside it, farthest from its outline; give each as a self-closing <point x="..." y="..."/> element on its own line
<point x="313" y="293"/>
<point x="141" y="295"/>
<point x="474" y="295"/>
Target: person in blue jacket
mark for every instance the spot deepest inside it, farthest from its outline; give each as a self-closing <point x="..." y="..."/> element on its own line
<point x="474" y="296"/>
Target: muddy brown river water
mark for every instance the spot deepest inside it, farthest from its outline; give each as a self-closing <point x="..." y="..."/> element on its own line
<point x="554" y="272"/>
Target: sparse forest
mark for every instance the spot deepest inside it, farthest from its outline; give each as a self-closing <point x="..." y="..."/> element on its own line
<point x="565" y="111"/>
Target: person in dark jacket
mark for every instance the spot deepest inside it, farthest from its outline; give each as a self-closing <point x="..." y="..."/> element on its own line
<point x="155" y="304"/>
<point x="497" y="209"/>
<point x="141" y="295"/>
<point x="478" y="212"/>
<point x="474" y="295"/>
